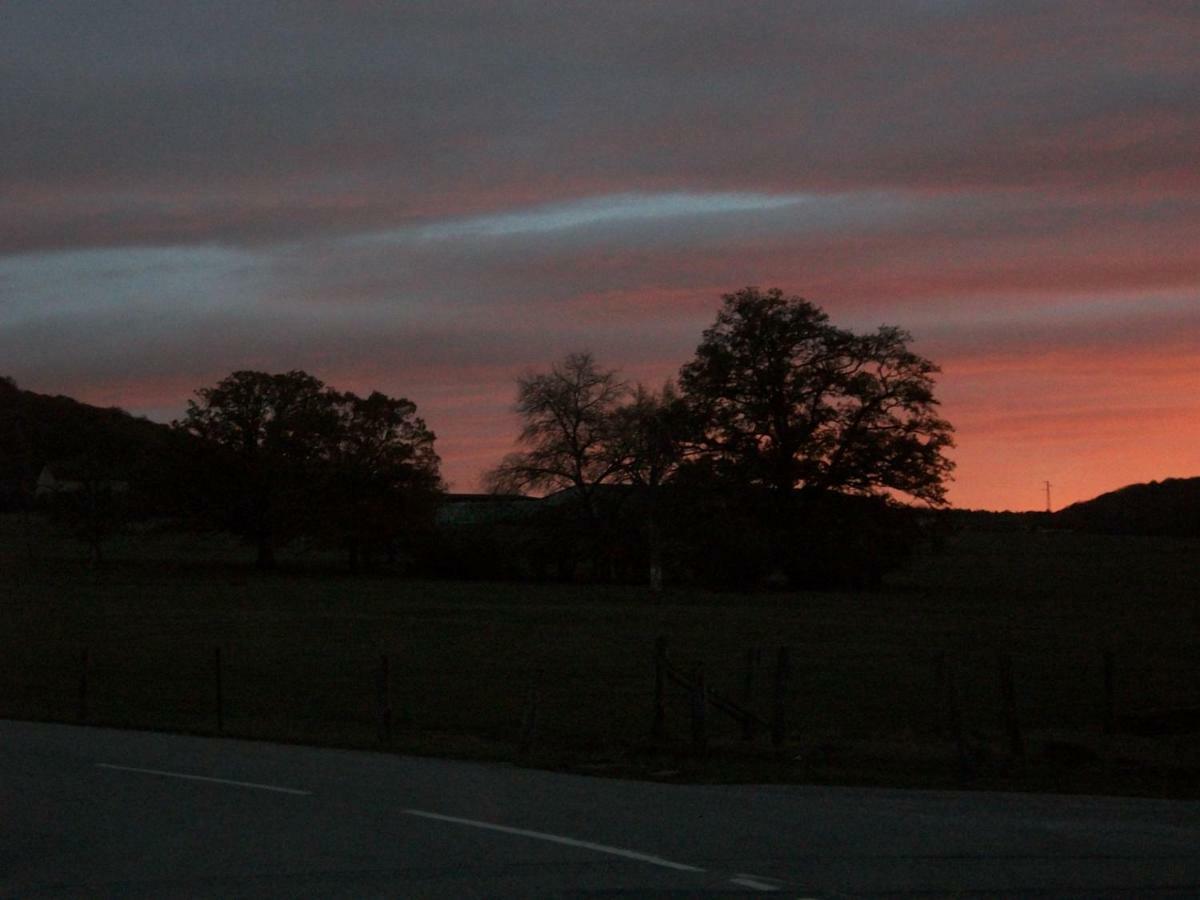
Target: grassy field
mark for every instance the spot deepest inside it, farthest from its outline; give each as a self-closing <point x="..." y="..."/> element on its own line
<point x="300" y="652"/>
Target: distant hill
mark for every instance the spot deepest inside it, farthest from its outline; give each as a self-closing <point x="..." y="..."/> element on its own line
<point x="36" y="429"/>
<point x="1170" y="507"/>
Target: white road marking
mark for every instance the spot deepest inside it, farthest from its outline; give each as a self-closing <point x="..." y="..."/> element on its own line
<point x="753" y="881"/>
<point x="559" y="839"/>
<point x="245" y="784"/>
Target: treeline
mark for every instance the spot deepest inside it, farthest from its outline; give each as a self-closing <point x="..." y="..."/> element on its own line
<point x="788" y="451"/>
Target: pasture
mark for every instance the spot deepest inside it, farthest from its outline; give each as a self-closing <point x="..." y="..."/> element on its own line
<point x="300" y="654"/>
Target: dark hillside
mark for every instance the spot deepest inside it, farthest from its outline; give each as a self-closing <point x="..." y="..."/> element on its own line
<point x="38" y="429"/>
<point x="1167" y="508"/>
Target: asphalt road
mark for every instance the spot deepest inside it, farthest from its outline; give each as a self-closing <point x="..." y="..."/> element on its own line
<point x="97" y="812"/>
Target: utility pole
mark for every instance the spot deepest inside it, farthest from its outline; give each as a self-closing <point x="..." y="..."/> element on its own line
<point x="1048" y="507"/>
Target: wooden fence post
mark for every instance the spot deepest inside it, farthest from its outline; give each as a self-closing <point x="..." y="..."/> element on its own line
<point x="699" y="710"/>
<point x="659" y="728"/>
<point x="219" y="690"/>
<point x="1110" y="691"/>
<point x="1008" y="694"/>
<point x="383" y="701"/>
<point x="83" y="685"/>
<point x="782" y="674"/>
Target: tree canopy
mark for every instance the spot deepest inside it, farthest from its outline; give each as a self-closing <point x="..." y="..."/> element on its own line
<point x="383" y="476"/>
<point x="301" y="458"/>
<point x="790" y="401"/>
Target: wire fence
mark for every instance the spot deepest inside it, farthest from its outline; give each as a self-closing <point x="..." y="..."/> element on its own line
<point x="346" y="696"/>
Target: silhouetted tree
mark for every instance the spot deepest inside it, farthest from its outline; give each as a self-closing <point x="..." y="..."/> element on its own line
<point x="383" y="481"/>
<point x="816" y="429"/>
<point x="787" y="432"/>
<point x="291" y="457"/>
<point x="568" y="428"/>
<point x="791" y="402"/>
<point x="269" y="432"/>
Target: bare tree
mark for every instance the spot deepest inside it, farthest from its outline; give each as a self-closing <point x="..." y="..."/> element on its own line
<point x="568" y="429"/>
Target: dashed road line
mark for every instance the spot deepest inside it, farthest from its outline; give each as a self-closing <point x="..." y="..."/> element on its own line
<point x="754" y="882"/>
<point x="559" y="839"/>
<point x="187" y="777"/>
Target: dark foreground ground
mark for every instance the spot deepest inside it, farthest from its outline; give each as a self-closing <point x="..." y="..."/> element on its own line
<point x="471" y="665"/>
<point x="95" y="812"/>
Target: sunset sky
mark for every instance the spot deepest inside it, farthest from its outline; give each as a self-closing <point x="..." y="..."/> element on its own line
<point x="429" y="199"/>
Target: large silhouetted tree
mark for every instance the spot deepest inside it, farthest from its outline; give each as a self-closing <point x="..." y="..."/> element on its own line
<point x="290" y="456"/>
<point x="269" y="433"/>
<point x="793" y="403"/>
<point x="808" y="434"/>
